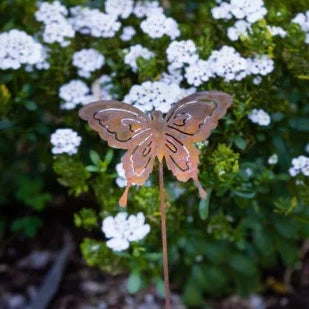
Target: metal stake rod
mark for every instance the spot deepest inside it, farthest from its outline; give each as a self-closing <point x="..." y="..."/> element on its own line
<point x="164" y="240"/>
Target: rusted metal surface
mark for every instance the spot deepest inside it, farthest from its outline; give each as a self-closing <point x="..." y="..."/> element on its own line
<point x="170" y="138"/>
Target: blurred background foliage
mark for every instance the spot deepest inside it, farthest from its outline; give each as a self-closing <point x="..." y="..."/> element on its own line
<point x="256" y="216"/>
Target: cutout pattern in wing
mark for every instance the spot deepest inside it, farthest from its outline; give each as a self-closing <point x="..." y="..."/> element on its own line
<point x="193" y="118"/>
<point x="121" y="125"/>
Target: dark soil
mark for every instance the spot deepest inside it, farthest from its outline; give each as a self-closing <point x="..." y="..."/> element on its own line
<point x="24" y="264"/>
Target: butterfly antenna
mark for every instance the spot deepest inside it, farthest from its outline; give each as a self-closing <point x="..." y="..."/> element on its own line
<point x="201" y="190"/>
<point x="124" y="197"/>
<point x="164" y="238"/>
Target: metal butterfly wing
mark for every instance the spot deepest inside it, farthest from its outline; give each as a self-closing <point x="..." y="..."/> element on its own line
<point x="126" y="127"/>
<point x="191" y="120"/>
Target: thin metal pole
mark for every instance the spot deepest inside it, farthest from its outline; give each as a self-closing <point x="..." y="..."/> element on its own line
<point x="164" y="240"/>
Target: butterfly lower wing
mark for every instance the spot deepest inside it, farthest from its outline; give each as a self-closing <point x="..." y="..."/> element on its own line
<point x="138" y="164"/>
<point x="182" y="160"/>
<point x="193" y="118"/>
<point x="120" y="124"/>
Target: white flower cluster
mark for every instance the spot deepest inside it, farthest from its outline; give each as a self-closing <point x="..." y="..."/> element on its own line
<point x="246" y="11"/>
<point x="198" y="73"/>
<point x="134" y="52"/>
<point x="153" y="95"/>
<point x="260" y="117"/>
<point x="74" y="93"/>
<point x="300" y="165"/>
<point x="228" y="64"/>
<point x="158" y="25"/>
<point x="121" y="180"/>
<point x="127" y="33"/>
<point x="147" y="8"/>
<point x="94" y="22"/>
<point x="65" y="141"/>
<point x="17" y="48"/>
<point x="119" y="8"/>
<point x="121" y="230"/>
<point x="260" y="65"/>
<point x="87" y="61"/>
<point x="56" y="27"/>
<point x="251" y="10"/>
<point x="180" y="53"/>
<point x="303" y="20"/>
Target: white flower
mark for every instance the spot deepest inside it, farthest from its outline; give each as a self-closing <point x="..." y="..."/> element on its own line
<point x="222" y="12"/>
<point x="127" y="33"/>
<point x="173" y="76"/>
<point x="56" y="27"/>
<point x="228" y="64"/>
<point x="153" y="95"/>
<point x="277" y="31"/>
<point x="260" y="65"/>
<point x="134" y="52"/>
<point x="121" y="180"/>
<point x="87" y="61"/>
<point x="121" y="230"/>
<point x="257" y="80"/>
<point x="73" y="93"/>
<point x="65" y="141"/>
<point x="273" y="159"/>
<point x="147" y="8"/>
<point x="50" y="12"/>
<point x="17" y="48"/>
<point x="303" y="20"/>
<point x="58" y="31"/>
<point x="119" y="8"/>
<point x="158" y="25"/>
<point x="241" y="27"/>
<point x="251" y="10"/>
<point x="94" y="22"/>
<point x="259" y="117"/>
<point x="300" y="165"/>
<point x="180" y="53"/>
<point x="198" y="73"/>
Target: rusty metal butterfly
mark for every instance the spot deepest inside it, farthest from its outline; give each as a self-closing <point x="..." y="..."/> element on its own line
<point x="171" y="137"/>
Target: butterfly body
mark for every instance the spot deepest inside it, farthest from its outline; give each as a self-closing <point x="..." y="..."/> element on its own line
<point x="170" y="138"/>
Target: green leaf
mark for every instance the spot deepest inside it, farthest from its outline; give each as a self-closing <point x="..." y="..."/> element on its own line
<point x="134" y="281"/>
<point x="92" y="168"/>
<point x="243" y="264"/>
<point x="109" y="156"/>
<point x="204" y="206"/>
<point x="94" y="157"/>
<point x="28" y="225"/>
<point x="240" y="142"/>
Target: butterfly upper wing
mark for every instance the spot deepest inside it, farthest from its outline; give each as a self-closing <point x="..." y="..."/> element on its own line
<point x="126" y="127"/>
<point x="193" y="118"/>
<point x="121" y="125"/>
<point x="189" y="121"/>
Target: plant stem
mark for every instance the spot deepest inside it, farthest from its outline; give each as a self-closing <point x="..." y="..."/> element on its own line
<point x="164" y="240"/>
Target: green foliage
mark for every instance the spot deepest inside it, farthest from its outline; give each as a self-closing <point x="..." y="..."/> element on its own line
<point x="29" y="191"/>
<point x="73" y="174"/>
<point x="86" y="218"/>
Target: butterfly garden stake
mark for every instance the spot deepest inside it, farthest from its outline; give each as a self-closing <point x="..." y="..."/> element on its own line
<point x="170" y="138"/>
